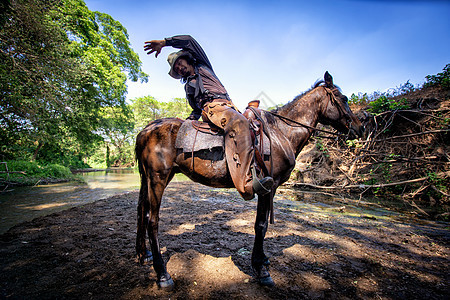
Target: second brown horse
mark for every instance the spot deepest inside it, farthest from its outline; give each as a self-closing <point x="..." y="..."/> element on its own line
<point x="289" y="127"/>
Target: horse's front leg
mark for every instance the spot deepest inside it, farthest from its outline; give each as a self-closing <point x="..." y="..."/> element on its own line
<point x="260" y="262"/>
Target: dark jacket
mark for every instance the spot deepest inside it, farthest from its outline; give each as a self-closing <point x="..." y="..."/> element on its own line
<point x="204" y="86"/>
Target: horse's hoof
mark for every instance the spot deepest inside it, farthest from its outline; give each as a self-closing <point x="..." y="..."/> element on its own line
<point x="266" y="281"/>
<point x="166" y="283"/>
<point x="262" y="275"/>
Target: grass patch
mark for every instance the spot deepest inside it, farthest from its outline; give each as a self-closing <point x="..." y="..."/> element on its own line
<point x="29" y="173"/>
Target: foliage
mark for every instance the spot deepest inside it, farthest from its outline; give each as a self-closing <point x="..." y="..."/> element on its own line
<point x="381" y="102"/>
<point x="30" y="168"/>
<point x="322" y="147"/>
<point x="359" y="99"/>
<point x="403" y="89"/>
<point x="120" y="128"/>
<point x="56" y="171"/>
<point x="403" y="155"/>
<point x="61" y="64"/>
<point x="440" y="182"/>
<point x="117" y="130"/>
<point x="384" y="103"/>
<point x="147" y="109"/>
<point x="442" y="79"/>
<point x="32" y="172"/>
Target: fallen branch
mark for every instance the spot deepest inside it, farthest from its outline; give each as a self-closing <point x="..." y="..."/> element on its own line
<point x="363" y="186"/>
<point x="426" y="112"/>
<point x="425" y="159"/>
<point x="405" y="136"/>
<point x="439" y="191"/>
<point x="7" y="172"/>
<point x="413" y="204"/>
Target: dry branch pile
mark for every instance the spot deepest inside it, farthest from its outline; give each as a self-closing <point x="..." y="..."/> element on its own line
<point x="404" y="154"/>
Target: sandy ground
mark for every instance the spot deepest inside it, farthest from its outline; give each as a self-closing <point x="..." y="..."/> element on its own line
<point x="316" y="252"/>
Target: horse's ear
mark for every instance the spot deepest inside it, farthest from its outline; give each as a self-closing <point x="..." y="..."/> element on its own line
<point x="328" y="79"/>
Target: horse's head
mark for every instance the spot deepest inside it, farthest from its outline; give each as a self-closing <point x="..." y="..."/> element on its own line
<point x="336" y="111"/>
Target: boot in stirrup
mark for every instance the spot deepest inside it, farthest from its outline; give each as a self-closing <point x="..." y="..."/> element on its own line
<point x="261" y="186"/>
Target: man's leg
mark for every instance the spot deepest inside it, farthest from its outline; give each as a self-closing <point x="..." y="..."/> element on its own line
<point x="239" y="152"/>
<point x="238" y="148"/>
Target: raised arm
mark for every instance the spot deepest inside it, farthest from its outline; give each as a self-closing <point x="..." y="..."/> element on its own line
<point x="184" y="42"/>
<point x="154" y="46"/>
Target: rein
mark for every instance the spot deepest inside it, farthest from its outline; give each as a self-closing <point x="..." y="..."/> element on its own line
<point x="302" y="125"/>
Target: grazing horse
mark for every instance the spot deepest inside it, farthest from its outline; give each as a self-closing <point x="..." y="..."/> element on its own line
<point x="289" y="128"/>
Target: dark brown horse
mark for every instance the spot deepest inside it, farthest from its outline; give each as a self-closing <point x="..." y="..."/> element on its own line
<point x="290" y="127"/>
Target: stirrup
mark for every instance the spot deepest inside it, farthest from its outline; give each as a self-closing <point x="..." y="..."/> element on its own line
<point x="263" y="186"/>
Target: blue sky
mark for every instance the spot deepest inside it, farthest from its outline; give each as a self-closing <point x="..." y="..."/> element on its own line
<point x="280" y="48"/>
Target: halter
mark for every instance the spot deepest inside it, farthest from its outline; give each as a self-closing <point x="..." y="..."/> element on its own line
<point x="335" y="102"/>
<point x="338" y="104"/>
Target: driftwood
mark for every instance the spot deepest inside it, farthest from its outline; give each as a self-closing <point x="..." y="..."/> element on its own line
<point x="405" y="136"/>
<point x="363" y="186"/>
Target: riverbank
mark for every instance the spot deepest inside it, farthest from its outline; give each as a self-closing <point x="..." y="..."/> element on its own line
<point x="317" y="252"/>
<point x="26" y="173"/>
<point x="88" y="170"/>
<point x="20" y="204"/>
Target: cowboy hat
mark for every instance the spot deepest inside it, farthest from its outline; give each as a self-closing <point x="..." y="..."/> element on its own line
<point x="172" y="58"/>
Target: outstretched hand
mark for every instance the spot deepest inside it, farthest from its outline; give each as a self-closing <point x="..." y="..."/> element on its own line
<point x="154" y="46"/>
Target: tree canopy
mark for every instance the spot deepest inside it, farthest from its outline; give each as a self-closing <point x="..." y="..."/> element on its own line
<point x="62" y="66"/>
<point x="146" y="109"/>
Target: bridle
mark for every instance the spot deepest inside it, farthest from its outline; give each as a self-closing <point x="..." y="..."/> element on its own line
<point x="342" y="110"/>
<point x="335" y="102"/>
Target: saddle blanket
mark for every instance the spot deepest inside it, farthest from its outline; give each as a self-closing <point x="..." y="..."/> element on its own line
<point x="205" y="141"/>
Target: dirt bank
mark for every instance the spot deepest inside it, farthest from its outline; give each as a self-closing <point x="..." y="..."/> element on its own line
<point x="207" y="235"/>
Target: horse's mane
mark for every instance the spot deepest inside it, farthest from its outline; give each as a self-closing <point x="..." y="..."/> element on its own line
<point x="290" y="105"/>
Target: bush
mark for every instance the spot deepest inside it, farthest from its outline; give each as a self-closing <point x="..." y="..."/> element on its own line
<point x="380" y="102"/>
<point x="360" y="99"/>
<point x="30" y="168"/>
<point x="56" y="171"/>
<point x="32" y="172"/>
<point x="442" y="79"/>
<point x="383" y="104"/>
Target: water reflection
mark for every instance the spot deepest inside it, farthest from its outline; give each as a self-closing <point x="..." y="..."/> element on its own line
<point x="26" y="203"/>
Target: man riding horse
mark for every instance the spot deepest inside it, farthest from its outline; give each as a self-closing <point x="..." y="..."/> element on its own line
<point x="209" y="99"/>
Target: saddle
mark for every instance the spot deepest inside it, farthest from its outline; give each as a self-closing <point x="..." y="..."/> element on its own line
<point x="194" y="136"/>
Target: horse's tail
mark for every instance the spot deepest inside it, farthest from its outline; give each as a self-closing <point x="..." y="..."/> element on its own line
<point x="141" y="143"/>
<point x="138" y="156"/>
<point x="142" y="208"/>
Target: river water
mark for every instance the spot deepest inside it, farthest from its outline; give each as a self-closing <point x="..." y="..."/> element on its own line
<point x="22" y="204"/>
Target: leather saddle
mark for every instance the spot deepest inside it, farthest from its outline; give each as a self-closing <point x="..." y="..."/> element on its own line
<point x="194" y="136"/>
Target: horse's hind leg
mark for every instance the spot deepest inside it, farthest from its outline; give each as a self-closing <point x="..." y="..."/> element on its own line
<point x="143" y="210"/>
<point x="143" y="214"/>
<point x="156" y="185"/>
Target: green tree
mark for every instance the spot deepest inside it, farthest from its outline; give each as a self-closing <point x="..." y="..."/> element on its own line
<point x="61" y="65"/>
<point x="117" y="131"/>
<point x="147" y="109"/>
<point x="442" y="79"/>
